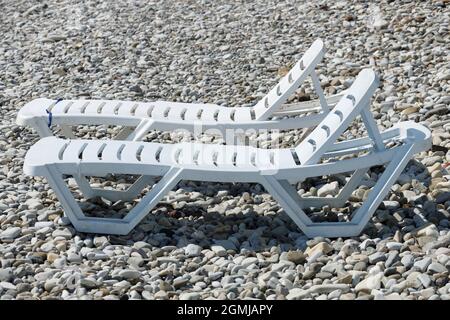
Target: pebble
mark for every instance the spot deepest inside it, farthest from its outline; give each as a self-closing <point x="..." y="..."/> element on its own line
<point x="422" y="264"/>
<point x="219" y="250"/>
<point x="323" y="248"/>
<point x="190" y="296"/>
<point x="130" y="274"/>
<point x="377" y="257"/>
<point x="10" y="233"/>
<point x="192" y="250"/>
<point x="330" y="189"/>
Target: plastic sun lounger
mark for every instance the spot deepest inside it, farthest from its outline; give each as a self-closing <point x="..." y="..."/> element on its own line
<point x="138" y="118"/>
<point x="275" y="169"/>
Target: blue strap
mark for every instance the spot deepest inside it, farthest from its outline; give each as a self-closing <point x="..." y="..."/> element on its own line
<point x="50" y="115"/>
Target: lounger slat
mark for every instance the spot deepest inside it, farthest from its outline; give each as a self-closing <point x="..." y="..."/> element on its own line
<point x="149" y="153"/>
<point x="337" y="121"/>
<point x="224" y="115"/>
<point x="167" y="154"/>
<point x="208" y="114"/>
<point x="192" y="114"/>
<point x="142" y="110"/>
<point x="93" y="107"/>
<point x="175" y="113"/>
<point x="73" y="151"/>
<point x="92" y="150"/>
<point x="78" y="107"/>
<point x="263" y="159"/>
<point x="129" y="152"/>
<point x="289" y="83"/>
<point x="125" y="108"/>
<point x="111" y="151"/>
<point x="110" y="107"/>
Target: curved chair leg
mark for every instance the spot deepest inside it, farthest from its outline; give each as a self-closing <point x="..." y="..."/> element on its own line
<point x="287" y="200"/>
<point x="341" y="198"/>
<point x="108" y="225"/>
<point x="292" y="203"/>
<point x="113" y="195"/>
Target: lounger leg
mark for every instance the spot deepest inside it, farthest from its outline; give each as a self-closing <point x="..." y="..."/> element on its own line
<point x="343" y="195"/>
<point x="141" y="130"/>
<point x="292" y="203"/>
<point x="108" y="225"/>
<point x="113" y="195"/>
<point x="159" y="190"/>
<point x="380" y="190"/>
<point x="287" y="200"/>
<point x="365" y="212"/>
<point x="67" y="131"/>
<point x="42" y="128"/>
<point x="319" y="91"/>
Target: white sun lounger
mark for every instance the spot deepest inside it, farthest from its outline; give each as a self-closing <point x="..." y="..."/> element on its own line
<point x="275" y="169"/>
<point x="138" y="118"/>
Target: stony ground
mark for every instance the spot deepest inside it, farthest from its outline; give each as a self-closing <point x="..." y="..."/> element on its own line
<point x="216" y="240"/>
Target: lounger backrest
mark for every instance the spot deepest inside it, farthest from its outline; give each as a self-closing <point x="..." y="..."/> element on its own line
<point x="289" y="83"/>
<point x="357" y="97"/>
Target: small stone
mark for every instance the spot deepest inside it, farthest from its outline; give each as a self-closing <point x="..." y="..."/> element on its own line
<point x="422" y="264"/>
<point x="296" y="257"/>
<point x="137" y="89"/>
<point x="345" y="279"/>
<point x="410" y="110"/>
<point x="394" y="245"/>
<point x="424" y="279"/>
<point x="6" y="275"/>
<point x="7" y="285"/>
<point x="367" y="243"/>
<point x="74" y="258"/>
<point x="436" y="267"/>
<point x="192" y="250"/>
<point x="129" y="274"/>
<point x="327" y="288"/>
<point x="297" y="294"/>
<point x="51" y="257"/>
<point x="136" y="262"/>
<point x="329" y="189"/>
<point x="189" y="296"/>
<point x="322" y="247"/>
<point x="370" y="283"/>
<point x="360" y="266"/>
<point x="407" y="260"/>
<point x="65" y="233"/>
<point x="10" y="233"/>
<point x="88" y="283"/>
<point x="50" y="284"/>
<point x="219" y="250"/>
<point x="377" y="257"/>
<point x="100" y="241"/>
<point x="180" y="282"/>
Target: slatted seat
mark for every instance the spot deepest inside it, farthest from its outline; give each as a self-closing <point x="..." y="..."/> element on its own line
<point x="141" y="117"/>
<point x="275" y="169"/>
